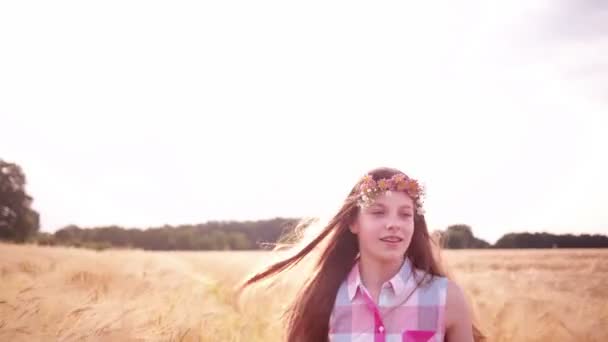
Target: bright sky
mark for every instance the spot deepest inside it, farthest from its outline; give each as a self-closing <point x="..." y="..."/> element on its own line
<point x="144" y="113"/>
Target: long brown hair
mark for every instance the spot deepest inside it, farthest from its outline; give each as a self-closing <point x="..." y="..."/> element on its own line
<point x="308" y="316"/>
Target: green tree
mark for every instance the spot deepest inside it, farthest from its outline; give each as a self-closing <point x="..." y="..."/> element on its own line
<point x="18" y="221"/>
<point x="460" y="236"/>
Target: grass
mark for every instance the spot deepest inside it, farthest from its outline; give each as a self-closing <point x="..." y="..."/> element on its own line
<point x="69" y="294"/>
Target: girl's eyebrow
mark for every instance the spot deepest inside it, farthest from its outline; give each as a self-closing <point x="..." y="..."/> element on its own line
<point x="406" y="206"/>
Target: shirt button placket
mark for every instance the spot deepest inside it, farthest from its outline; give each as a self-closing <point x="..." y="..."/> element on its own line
<point x="380" y="336"/>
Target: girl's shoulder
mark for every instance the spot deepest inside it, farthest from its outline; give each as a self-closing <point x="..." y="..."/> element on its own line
<point x="456" y="300"/>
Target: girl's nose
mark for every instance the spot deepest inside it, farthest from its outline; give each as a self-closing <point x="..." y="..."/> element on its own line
<point x="392" y="226"/>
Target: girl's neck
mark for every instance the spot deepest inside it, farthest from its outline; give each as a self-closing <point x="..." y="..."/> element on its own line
<point x="374" y="273"/>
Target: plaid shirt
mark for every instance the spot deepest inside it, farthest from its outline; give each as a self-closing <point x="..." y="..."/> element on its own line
<point x="404" y="313"/>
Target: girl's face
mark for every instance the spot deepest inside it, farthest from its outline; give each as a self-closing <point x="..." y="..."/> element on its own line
<point x="385" y="228"/>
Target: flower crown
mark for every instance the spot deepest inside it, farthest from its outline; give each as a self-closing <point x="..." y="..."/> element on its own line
<point x="369" y="189"/>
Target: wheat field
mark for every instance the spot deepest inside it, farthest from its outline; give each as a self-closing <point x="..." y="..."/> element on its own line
<point x="68" y="294"/>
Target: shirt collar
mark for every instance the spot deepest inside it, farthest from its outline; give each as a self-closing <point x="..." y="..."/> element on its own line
<point x="397" y="282"/>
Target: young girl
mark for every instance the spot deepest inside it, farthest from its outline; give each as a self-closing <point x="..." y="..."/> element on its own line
<point x="376" y="278"/>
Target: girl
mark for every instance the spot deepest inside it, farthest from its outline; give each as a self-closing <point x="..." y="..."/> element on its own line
<point x="376" y="278"/>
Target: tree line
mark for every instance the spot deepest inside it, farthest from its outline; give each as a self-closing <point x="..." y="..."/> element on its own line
<point x="263" y="234"/>
<point x="213" y="235"/>
<point x="19" y="222"/>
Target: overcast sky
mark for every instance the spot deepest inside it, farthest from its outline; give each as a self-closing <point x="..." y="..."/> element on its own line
<point x="144" y="113"/>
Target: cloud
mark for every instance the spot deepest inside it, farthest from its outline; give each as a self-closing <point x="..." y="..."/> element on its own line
<point x="570" y="39"/>
<point x="579" y="19"/>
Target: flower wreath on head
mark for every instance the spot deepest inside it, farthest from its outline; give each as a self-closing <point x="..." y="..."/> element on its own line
<point x="370" y="188"/>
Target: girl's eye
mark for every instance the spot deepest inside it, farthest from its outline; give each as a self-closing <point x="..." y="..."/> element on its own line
<point x="376" y="213"/>
<point x="406" y="214"/>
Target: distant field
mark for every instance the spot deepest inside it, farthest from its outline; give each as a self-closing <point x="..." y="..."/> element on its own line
<point x="62" y="294"/>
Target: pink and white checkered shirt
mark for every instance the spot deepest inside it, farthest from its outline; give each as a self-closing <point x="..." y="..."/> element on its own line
<point x="403" y="313"/>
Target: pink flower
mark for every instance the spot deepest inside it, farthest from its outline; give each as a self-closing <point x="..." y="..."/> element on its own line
<point x="367" y="183"/>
